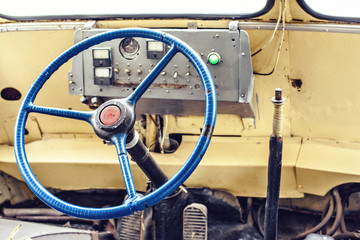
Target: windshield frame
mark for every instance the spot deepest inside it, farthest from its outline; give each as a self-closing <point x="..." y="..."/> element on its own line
<point x="268" y="6"/>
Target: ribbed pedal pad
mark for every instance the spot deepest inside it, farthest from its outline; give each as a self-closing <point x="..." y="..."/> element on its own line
<point x="129" y="227"/>
<point x="195" y="222"/>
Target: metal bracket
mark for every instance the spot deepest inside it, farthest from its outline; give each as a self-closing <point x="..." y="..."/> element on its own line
<point x="234" y="26"/>
<point x="90" y="25"/>
<point x="245" y="69"/>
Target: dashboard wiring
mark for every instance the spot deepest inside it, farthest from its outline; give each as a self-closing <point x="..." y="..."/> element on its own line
<point x="283" y="13"/>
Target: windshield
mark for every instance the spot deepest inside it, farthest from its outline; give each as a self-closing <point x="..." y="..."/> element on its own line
<point x="42" y="8"/>
<point x="344" y="10"/>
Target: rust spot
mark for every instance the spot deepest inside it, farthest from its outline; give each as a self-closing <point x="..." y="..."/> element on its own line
<point x="296" y="83"/>
<point x="154" y="85"/>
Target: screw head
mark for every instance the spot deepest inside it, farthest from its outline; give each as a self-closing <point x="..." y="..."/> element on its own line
<point x="278" y="98"/>
<point x="278" y="94"/>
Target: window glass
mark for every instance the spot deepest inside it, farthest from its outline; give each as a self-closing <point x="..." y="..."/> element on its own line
<point x="332" y="9"/>
<point x="21" y="8"/>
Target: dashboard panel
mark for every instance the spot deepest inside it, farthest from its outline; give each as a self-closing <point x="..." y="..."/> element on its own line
<point x="115" y="68"/>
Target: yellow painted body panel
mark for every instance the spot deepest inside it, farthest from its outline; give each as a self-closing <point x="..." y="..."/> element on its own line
<point x="325" y="109"/>
<point x="98" y="167"/>
<point x="328" y="104"/>
<point x="324" y="164"/>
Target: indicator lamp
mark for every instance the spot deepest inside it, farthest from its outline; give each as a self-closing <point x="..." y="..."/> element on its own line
<point x="214" y="58"/>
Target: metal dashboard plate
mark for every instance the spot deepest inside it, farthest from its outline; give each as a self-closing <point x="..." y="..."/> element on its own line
<point x="232" y="75"/>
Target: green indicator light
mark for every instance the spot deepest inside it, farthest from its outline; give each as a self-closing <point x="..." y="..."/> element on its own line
<point x="214" y="58"/>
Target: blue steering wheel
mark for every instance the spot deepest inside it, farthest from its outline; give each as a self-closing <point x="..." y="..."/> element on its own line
<point x="118" y="131"/>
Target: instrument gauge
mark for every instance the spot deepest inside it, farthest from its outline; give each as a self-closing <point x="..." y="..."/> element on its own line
<point x="129" y="48"/>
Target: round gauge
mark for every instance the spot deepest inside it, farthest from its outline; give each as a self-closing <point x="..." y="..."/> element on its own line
<point x="129" y="48"/>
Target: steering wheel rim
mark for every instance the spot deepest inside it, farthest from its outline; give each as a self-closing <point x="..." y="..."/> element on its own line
<point x="135" y="203"/>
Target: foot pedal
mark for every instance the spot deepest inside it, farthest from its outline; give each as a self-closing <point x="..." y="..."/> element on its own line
<point x="129" y="227"/>
<point x="195" y="222"/>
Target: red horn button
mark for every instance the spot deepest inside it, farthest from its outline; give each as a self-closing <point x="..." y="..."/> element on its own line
<point x="110" y="115"/>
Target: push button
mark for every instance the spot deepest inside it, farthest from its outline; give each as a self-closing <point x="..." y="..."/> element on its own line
<point x="214" y="58"/>
<point x="110" y="115"/>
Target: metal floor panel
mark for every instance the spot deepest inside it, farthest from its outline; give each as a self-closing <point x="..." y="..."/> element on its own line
<point x="38" y="231"/>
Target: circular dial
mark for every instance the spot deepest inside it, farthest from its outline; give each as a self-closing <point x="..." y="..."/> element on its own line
<point x="129" y="48"/>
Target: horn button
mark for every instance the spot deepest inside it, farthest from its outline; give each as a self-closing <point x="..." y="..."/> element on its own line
<point x="110" y="115"/>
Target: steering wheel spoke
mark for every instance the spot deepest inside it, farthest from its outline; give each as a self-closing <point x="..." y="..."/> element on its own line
<point x="66" y="113"/>
<point x="139" y="91"/>
<point x="119" y="140"/>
